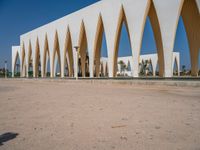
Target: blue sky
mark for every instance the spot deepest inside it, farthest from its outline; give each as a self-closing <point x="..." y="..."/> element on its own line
<point x="20" y="16"/>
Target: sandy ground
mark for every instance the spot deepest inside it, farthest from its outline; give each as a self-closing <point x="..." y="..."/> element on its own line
<point x="70" y="115"/>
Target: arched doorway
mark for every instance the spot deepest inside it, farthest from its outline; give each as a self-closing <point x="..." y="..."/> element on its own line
<point x="152" y="41"/>
<point x="56" y="68"/>
<point x="37" y="69"/>
<point x="68" y="56"/>
<point x="83" y="61"/>
<point x="100" y="50"/>
<point x="187" y="38"/>
<point x="30" y="61"/>
<point x="17" y="66"/>
<point x="122" y="43"/>
<point x="46" y="62"/>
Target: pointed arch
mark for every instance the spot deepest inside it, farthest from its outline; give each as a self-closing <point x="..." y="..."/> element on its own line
<point x="83" y="51"/>
<point x="30" y="59"/>
<point x="23" y="61"/>
<point x="15" y="59"/>
<point x="152" y="14"/>
<point x="23" y="54"/>
<point x="68" y="53"/>
<point x="46" y="56"/>
<point x="97" y="46"/>
<point x="122" y="19"/>
<point x="56" y="55"/>
<point x="191" y="20"/>
<point x="36" y="72"/>
<point x="17" y="65"/>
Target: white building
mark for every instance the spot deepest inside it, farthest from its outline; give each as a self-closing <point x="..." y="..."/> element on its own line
<point x="55" y="41"/>
<point x="128" y="62"/>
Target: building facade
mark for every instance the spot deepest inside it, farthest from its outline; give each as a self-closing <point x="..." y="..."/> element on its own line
<point x="152" y="62"/>
<point x="55" y="42"/>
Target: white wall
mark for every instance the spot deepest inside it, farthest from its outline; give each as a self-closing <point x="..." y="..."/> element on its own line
<point x="150" y="57"/>
<point x="136" y="11"/>
<point x="15" y="51"/>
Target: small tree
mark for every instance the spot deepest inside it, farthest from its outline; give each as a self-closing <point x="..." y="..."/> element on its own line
<point x="144" y="68"/>
<point x="184" y="69"/>
<point x="122" y="66"/>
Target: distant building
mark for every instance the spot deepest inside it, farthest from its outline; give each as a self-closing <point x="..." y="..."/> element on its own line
<point x="151" y="58"/>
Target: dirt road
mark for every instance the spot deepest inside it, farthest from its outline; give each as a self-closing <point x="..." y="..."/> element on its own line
<point x="70" y="115"/>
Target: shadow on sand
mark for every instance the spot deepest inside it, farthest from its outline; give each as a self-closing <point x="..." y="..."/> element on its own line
<point x="7" y="137"/>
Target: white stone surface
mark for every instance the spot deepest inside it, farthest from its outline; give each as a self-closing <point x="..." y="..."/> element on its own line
<point x="135" y="11"/>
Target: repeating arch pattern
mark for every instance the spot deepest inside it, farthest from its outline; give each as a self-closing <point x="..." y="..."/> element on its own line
<point x="46" y="56"/>
<point x="83" y="51"/>
<point x="69" y="53"/>
<point x="37" y="61"/>
<point x="98" y="44"/>
<point x="29" y="58"/>
<point x="15" y="55"/>
<point x="157" y="34"/>
<point x="191" y="19"/>
<point x="84" y="29"/>
<point x="23" y="62"/>
<point x="56" y="55"/>
<point x="122" y="19"/>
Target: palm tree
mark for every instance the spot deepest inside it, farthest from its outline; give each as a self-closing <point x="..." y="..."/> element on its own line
<point x="122" y="66"/>
<point x="184" y="69"/>
<point x="144" y="67"/>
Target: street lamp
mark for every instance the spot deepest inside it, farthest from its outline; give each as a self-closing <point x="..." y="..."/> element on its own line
<point x="77" y="55"/>
<point x="5" y="68"/>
